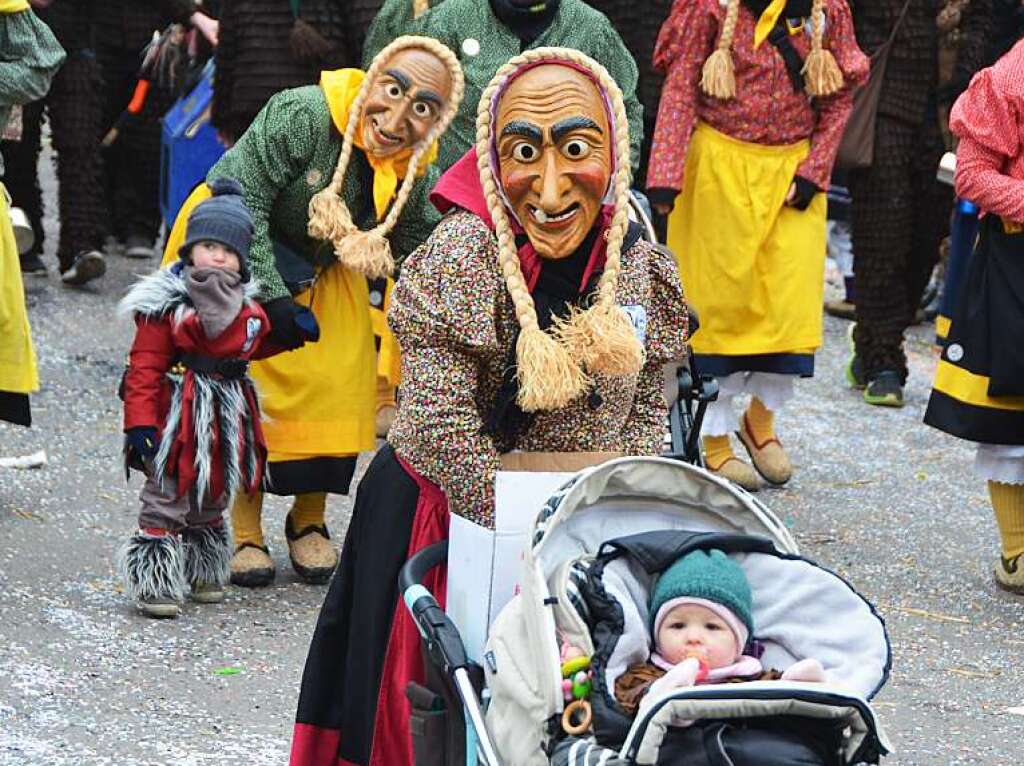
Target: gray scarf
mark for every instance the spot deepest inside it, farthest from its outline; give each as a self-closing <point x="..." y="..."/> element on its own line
<point x="217" y="295"/>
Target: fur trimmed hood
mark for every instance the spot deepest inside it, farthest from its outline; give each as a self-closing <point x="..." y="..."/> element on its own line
<point x="164" y="292"/>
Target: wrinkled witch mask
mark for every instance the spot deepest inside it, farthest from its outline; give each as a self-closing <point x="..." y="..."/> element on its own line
<point x="553" y="145"/>
<point x="404" y="101"/>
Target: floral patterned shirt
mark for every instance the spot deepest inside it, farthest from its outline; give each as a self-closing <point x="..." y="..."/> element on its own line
<point x="456" y="325"/>
<point x="766" y="109"/>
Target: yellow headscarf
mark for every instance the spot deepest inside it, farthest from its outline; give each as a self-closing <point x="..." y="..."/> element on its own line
<point x="766" y="22"/>
<point x="13" y="6"/>
<point x="340" y="86"/>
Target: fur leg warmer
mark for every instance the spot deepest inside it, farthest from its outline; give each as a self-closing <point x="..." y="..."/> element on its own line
<point x="152" y="567"/>
<point x="207" y="555"/>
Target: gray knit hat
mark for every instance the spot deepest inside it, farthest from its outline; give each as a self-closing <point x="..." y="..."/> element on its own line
<point x="223" y="218"/>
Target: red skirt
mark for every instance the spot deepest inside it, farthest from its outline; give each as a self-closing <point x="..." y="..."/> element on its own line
<point x="352" y="707"/>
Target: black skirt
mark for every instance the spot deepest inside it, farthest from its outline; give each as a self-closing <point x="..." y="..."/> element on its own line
<point x="978" y="392"/>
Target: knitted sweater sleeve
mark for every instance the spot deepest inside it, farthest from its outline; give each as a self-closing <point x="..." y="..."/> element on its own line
<point x="443" y="313"/>
<point x="30" y="57"/>
<point x="617" y="59"/>
<point x="272" y="153"/>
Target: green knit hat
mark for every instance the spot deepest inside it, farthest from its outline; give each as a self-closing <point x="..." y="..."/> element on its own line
<point x="708" y="575"/>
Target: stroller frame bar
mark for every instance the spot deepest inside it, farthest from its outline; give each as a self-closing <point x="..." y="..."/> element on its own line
<point x="442" y="642"/>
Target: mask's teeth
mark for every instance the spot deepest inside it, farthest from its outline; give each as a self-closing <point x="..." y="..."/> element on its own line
<point x="540" y="215"/>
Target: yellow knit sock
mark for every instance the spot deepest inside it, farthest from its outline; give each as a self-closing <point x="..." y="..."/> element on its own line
<point x="760" y="421"/>
<point x="386" y="393"/>
<point x="716" y="451"/>
<point x="246" y="515"/>
<point x="308" y="510"/>
<point x="1008" y="504"/>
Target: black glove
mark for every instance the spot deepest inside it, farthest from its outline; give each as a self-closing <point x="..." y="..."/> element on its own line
<point x="805" y="191"/>
<point x="291" y="325"/>
<point x="143" y="441"/>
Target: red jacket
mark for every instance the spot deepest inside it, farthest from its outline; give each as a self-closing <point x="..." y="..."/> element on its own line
<point x="218" y="416"/>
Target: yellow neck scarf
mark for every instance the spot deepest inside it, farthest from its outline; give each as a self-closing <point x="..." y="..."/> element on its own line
<point x="340" y="86"/>
<point x="13" y="6"/>
<point x="766" y="23"/>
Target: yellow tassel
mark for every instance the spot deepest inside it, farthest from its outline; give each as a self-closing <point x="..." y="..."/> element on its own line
<point x="329" y="218"/>
<point x="603" y="340"/>
<point x="548" y="376"/>
<point x="822" y="74"/>
<point x="719" y="78"/>
<point x="366" y="252"/>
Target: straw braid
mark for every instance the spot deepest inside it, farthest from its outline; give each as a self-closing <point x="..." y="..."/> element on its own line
<point x="369" y="252"/>
<point x="419" y="7"/>
<point x="718" y="78"/>
<point x="822" y="75"/>
<point x="552" y="369"/>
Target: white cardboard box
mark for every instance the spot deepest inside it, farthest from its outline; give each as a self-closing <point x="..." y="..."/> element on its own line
<point x="484" y="565"/>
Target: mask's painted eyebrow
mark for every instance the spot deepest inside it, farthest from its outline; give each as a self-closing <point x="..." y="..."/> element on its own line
<point x="523" y="128"/>
<point x="401" y="77"/>
<point x="430" y="96"/>
<point x="570" y="124"/>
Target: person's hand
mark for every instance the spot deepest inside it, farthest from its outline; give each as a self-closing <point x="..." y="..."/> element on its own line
<point x="291" y="325"/>
<point x="207" y="27"/>
<point x="801" y="193"/>
<point x="791" y="194"/>
<point x="662" y="208"/>
<point x="143" y="441"/>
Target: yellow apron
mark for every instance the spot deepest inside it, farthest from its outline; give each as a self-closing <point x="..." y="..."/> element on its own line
<point x="18" y="371"/>
<point x="319" y="400"/>
<point x="751" y="266"/>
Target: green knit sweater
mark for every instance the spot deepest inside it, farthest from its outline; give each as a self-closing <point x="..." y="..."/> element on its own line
<point x="288" y="155"/>
<point x="29" y="58"/>
<point x="483" y="44"/>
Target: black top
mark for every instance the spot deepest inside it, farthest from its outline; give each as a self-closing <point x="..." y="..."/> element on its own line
<point x="527" y="19"/>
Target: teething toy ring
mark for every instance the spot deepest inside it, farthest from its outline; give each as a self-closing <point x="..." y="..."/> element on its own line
<point x="577" y="717"/>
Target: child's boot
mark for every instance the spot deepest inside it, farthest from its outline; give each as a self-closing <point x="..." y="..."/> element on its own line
<point x="151" y="565"/>
<point x="207" y="562"/>
<point x="309" y="544"/>
<point x="720" y="460"/>
<point x="757" y="432"/>
<point x="251" y="565"/>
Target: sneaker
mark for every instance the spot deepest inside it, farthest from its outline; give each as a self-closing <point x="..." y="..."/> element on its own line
<point x="207" y="592"/>
<point x="313" y="557"/>
<point x="86" y="267"/>
<point x="138" y="247"/>
<point x="251" y="566"/>
<point x="855" y="373"/>
<point x="1010" y="574"/>
<point x="885" y="389"/>
<point x="32" y="265"/>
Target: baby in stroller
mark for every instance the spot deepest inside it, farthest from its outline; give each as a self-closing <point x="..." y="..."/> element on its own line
<point x="701" y="622"/>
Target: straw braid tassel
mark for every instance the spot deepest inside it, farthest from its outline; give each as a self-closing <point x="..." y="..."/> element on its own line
<point x="822" y="75"/>
<point x="718" y="77"/>
<point x="369" y="252"/>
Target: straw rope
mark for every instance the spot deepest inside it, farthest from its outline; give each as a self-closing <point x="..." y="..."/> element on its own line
<point x="553" y="368"/>
<point x="419" y="7"/>
<point x="369" y="252"/>
<point x="718" y="78"/>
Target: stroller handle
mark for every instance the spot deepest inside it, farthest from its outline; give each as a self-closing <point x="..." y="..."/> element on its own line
<point x="442" y="639"/>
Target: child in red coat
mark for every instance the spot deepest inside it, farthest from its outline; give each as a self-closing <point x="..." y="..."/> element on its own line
<point x="191" y="416"/>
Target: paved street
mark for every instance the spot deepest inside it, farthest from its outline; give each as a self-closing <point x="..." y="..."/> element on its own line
<point x="84" y="680"/>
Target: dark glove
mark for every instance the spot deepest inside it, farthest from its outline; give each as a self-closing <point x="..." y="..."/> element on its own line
<point x="143" y="441"/>
<point x="805" y="191"/>
<point x="291" y="325"/>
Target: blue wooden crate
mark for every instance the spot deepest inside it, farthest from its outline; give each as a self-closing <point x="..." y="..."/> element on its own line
<point x="189" y="146"/>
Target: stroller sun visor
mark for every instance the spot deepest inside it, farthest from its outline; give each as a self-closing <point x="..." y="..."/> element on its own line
<point x="800" y="611"/>
<point x="637" y="494"/>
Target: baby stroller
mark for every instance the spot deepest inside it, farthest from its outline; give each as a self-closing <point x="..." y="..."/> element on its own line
<point x="595" y="549"/>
